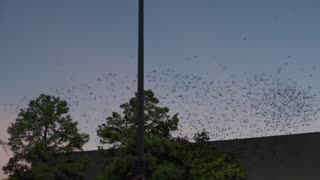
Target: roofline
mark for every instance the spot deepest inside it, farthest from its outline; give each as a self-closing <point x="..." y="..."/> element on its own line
<point x="266" y="137"/>
<point x="240" y="139"/>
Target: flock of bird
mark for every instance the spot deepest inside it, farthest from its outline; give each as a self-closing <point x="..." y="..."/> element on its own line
<point x="236" y="106"/>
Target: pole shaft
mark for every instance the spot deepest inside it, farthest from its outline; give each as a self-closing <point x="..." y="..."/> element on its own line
<point x="140" y="96"/>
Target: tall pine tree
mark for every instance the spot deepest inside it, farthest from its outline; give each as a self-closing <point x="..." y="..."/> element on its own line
<point x="40" y="139"/>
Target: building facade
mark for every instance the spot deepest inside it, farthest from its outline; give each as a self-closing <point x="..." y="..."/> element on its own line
<point x="287" y="157"/>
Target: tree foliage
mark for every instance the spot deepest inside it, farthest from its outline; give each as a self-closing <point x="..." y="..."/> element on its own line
<point x="167" y="157"/>
<point x="201" y="137"/>
<point x="40" y="138"/>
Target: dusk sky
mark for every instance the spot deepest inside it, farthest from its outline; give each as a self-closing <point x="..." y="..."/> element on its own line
<point x="67" y="48"/>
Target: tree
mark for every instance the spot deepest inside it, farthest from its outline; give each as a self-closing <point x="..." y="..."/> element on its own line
<point x="40" y="138"/>
<point x="167" y="157"/>
<point x="201" y="137"/>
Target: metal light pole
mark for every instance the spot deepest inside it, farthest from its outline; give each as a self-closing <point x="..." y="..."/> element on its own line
<point x="140" y="165"/>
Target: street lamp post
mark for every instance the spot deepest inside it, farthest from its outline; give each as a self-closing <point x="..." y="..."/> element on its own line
<point x="140" y="165"/>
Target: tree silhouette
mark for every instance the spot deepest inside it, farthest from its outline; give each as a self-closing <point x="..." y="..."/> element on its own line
<point x="39" y="139"/>
<point x="167" y="157"/>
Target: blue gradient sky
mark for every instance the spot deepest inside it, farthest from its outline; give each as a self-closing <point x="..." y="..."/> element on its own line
<point x="44" y="41"/>
<point x="54" y="44"/>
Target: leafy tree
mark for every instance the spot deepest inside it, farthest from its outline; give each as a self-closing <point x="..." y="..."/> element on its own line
<point x="40" y="138"/>
<point x="167" y="157"/>
<point x="201" y="137"/>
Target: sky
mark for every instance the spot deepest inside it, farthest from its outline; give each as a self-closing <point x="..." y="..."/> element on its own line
<point x="69" y="48"/>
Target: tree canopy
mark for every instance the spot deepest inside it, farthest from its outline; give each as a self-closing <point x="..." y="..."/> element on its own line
<point x="166" y="157"/>
<point x="40" y="138"/>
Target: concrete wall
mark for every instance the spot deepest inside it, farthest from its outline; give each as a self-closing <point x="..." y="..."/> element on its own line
<point x="289" y="157"/>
